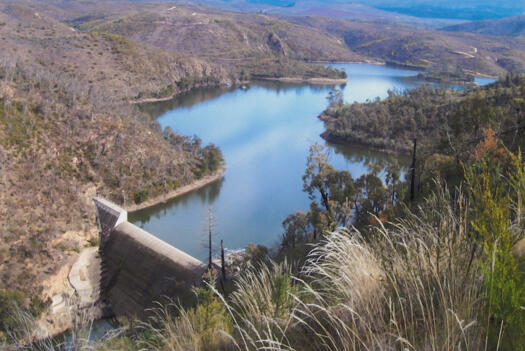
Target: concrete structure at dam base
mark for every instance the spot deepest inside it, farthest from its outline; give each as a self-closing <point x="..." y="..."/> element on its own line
<point x="138" y="270"/>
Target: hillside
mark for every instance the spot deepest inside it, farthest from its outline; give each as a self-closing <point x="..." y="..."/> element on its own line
<point x="409" y="11"/>
<point x="442" y="120"/>
<point x="237" y="41"/>
<point x="124" y="68"/>
<point x="511" y="27"/>
<point x="225" y="35"/>
<point x="247" y="43"/>
<point x="405" y="45"/>
<point x="67" y="133"/>
<point x="349" y="10"/>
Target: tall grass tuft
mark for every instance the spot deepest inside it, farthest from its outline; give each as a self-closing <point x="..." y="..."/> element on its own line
<point x="206" y="327"/>
<point x="417" y="284"/>
<point x="262" y="305"/>
<point x="417" y="287"/>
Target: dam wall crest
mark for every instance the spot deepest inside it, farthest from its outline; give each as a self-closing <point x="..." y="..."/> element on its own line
<point x="139" y="269"/>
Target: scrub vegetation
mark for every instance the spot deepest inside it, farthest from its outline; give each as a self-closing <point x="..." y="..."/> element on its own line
<point x="370" y="267"/>
<point x="61" y="143"/>
<point x="440" y="119"/>
<point x="433" y="261"/>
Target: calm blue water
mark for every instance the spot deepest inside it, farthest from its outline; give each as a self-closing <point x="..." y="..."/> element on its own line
<point x="265" y="132"/>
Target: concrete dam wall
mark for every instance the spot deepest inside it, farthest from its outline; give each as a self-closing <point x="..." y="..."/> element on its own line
<point x="139" y="269"/>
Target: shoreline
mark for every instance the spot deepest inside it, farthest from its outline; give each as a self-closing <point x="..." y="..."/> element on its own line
<point x="147" y="100"/>
<point x="334" y="81"/>
<point x="326" y="136"/>
<point x="319" y="80"/>
<point x="484" y="75"/>
<point x="343" y="142"/>
<point x="177" y="192"/>
<point x="362" y="62"/>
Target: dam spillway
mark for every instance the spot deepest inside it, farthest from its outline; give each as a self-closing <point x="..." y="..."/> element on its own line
<point x="138" y="269"/>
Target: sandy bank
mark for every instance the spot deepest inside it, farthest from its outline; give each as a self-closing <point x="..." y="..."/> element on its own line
<point x="361" y="62"/>
<point x="330" y="81"/>
<point x="178" y="192"/>
<point x="307" y="80"/>
<point x="146" y="100"/>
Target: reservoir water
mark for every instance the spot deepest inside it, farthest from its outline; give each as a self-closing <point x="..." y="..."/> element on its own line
<point x="264" y="131"/>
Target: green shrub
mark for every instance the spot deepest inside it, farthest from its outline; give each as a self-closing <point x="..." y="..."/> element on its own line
<point x="141" y="196"/>
<point x="497" y="192"/>
<point x="205" y="327"/>
<point x="8" y="302"/>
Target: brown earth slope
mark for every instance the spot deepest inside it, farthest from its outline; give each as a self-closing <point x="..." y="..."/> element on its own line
<point x="67" y="133"/>
<point x="406" y="45"/>
<point x="121" y="67"/>
<point x="256" y="43"/>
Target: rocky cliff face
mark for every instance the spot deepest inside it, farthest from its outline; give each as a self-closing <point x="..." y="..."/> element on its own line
<point x="275" y="44"/>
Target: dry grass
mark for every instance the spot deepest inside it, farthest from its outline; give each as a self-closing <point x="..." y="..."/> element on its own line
<point x="414" y="288"/>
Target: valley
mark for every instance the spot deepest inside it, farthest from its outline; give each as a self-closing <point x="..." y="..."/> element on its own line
<point x="170" y="109"/>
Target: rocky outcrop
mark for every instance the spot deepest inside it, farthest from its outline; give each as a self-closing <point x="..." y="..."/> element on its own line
<point x="275" y="43"/>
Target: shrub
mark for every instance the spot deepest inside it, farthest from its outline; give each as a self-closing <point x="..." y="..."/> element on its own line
<point x="141" y="196"/>
<point x="204" y="327"/>
<point x="8" y="301"/>
<point x="497" y="197"/>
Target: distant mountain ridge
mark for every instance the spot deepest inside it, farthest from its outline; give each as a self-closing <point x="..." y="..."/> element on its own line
<point x="257" y="44"/>
<point x="468" y="9"/>
<point x="511" y="27"/>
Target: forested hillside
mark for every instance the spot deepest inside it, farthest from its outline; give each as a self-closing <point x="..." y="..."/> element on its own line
<point x="511" y="26"/>
<point x="425" y="49"/>
<point x="68" y="133"/>
<point x="244" y="43"/>
<point x="250" y="42"/>
<point x="105" y="62"/>
<point x="437" y="118"/>
<point x="408" y="10"/>
<point x="369" y="265"/>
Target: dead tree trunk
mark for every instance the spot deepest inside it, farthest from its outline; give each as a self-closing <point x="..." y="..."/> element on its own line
<point x="209" y="239"/>
<point x="223" y="266"/>
<point x="413" y="176"/>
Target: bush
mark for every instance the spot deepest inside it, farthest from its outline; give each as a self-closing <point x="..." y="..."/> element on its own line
<point x="8" y="302"/>
<point x="498" y="194"/>
<point x="204" y="327"/>
<point x="141" y="196"/>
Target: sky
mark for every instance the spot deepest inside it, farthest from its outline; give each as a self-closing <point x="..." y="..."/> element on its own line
<point x="470" y="9"/>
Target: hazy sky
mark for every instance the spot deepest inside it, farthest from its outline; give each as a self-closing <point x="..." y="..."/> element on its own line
<point x="408" y="3"/>
<point x="460" y="9"/>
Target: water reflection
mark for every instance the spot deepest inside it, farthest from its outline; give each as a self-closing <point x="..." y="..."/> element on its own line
<point x="207" y="196"/>
<point x="367" y="156"/>
<point x="187" y="99"/>
<point x="264" y="130"/>
<point x="279" y="87"/>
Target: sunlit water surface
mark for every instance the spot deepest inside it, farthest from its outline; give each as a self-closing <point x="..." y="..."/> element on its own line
<point x="265" y="131"/>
